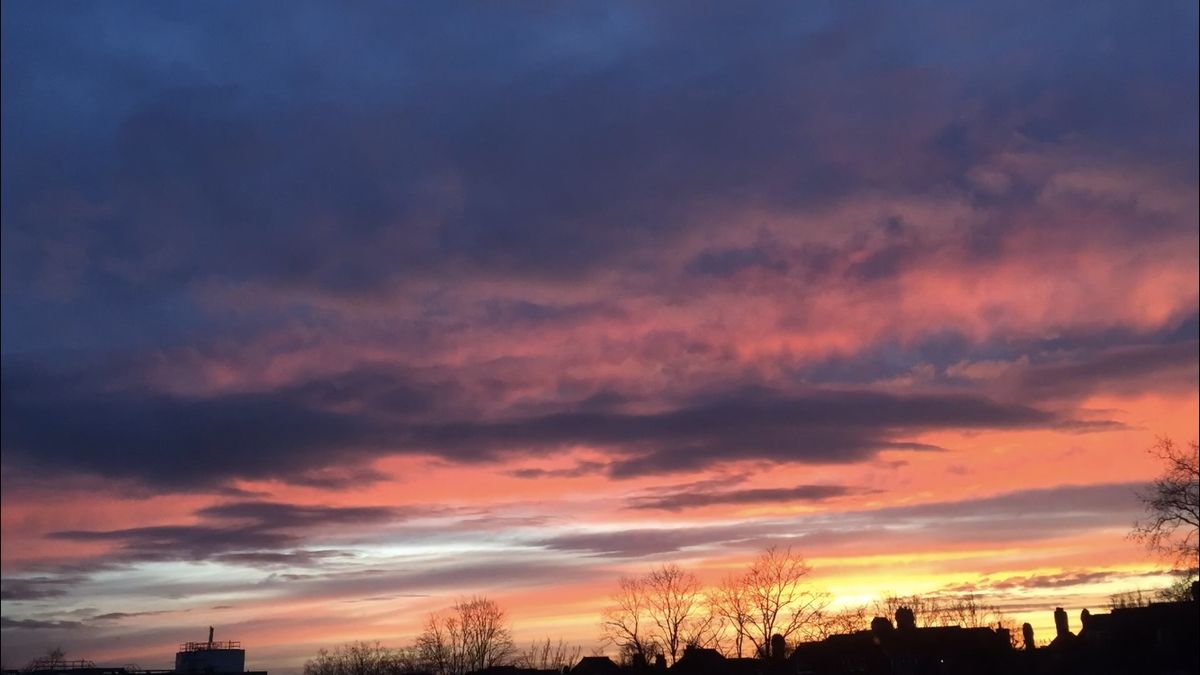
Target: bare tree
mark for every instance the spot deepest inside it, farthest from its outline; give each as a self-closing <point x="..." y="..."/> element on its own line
<point x="729" y="601"/>
<point x="1171" y="527"/>
<point x="675" y="606"/>
<point x="927" y="610"/>
<point x="625" y="623"/>
<point x="969" y="610"/>
<point x="487" y="639"/>
<point x="840" y="622"/>
<point x="472" y="636"/>
<point x="547" y="655"/>
<point x="1124" y="599"/>
<point x="362" y="658"/>
<point x="438" y="645"/>
<point x="777" y="598"/>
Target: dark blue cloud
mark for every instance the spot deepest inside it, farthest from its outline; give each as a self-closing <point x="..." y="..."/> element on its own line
<point x="307" y="434"/>
<point x="1077" y="360"/>
<point x="248" y="532"/>
<point x="352" y="147"/>
<point x="354" y="153"/>
<point x="684" y="499"/>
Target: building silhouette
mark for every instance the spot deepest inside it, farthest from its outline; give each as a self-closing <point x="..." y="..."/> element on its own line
<point x="1162" y="638"/>
<point x="193" y="658"/>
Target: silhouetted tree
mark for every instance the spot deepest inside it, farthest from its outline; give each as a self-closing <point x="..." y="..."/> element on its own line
<point x="473" y="635"/>
<point x="1124" y="599"/>
<point x="926" y="609"/>
<point x="675" y="606"/>
<point x="840" y="622"/>
<point x="625" y="622"/>
<point x="729" y="601"/>
<point x="1171" y="527"/>
<point x="547" y="655"/>
<point x="968" y="610"/>
<point x="363" y="658"/>
<point x="776" y="598"/>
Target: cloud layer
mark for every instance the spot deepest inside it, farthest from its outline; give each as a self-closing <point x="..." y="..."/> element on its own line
<point x="389" y="303"/>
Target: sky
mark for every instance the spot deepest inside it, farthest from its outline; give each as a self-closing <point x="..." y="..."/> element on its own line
<point x="320" y="316"/>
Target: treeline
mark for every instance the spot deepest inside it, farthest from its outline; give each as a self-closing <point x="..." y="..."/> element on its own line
<point x="473" y="635"/>
<point x="657" y="615"/>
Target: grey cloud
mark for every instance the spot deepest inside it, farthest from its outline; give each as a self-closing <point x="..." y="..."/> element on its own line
<point x="117" y="616"/>
<point x="173" y="441"/>
<point x="8" y="623"/>
<point x="1066" y="500"/>
<point x="300" y="433"/>
<point x="580" y="469"/>
<point x="36" y="588"/>
<point x="269" y="559"/>
<point x="644" y="542"/>
<point x="523" y="313"/>
<point x="282" y="515"/>
<point x="730" y="261"/>
<point x="263" y="533"/>
<point x="182" y="542"/>
<point x="1052" y="580"/>
<point x="822" y="426"/>
<point x="1117" y="371"/>
<point x="418" y="148"/>
<point x="1022" y="515"/>
<point x="678" y="501"/>
<point x="433" y="576"/>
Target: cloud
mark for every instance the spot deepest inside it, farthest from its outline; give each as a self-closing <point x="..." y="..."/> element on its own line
<point x="1022" y="515"/>
<point x="667" y="240"/>
<point x="821" y="426"/>
<point x="324" y="432"/>
<point x="115" y="616"/>
<point x="678" y="501"/>
<point x="275" y="515"/>
<point x="289" y="559"/>
<point x="1120" y="370"/>
<point x="246" y="533"/>
<point x="643" y="542"/>
<point x="35" y="624"/>
<point x="730" y="261"/>
<point x="577" y="471"/>
<point x="181" y="442"/>
<point x="570" y="161"/>
<point x="36" y="588"/>
<point x="1041" y="581"/>
<point x="1063" y="501"/>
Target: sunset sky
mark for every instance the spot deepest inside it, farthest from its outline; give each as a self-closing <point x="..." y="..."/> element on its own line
<point x="319" y="316"/>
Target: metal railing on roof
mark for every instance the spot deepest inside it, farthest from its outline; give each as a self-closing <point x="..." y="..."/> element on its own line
<point x="205" y="646"/>
<point x="45" y="664"/>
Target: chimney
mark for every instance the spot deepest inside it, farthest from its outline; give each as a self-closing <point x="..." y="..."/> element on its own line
<point x="1060" y="622"/>
<point x="1027" y="633"/>
<point x="210" y="636"/>
<point x="778" y="648"/>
